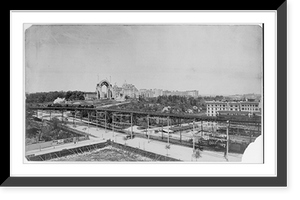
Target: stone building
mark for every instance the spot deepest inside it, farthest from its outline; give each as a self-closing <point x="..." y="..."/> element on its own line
<point x="115" y="92"/>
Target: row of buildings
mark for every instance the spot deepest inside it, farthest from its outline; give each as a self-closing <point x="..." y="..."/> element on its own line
<point x="214" y="108"/>
<point x="159" y="92"/>
<point x="116" y="92"/>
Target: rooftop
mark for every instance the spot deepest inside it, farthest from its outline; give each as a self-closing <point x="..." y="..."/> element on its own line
<point x="247" y="102"/>
<point x="230" y="102"/>
<point x="233" y="112"/>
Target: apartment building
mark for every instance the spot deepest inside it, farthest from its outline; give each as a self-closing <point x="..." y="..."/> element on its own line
<point x="214" y="107"/>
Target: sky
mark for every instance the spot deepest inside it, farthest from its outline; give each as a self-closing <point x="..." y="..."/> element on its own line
<point x="213" y="59"/>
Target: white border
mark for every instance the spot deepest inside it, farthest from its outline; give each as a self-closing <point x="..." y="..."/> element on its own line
<point x="115" y="169"/>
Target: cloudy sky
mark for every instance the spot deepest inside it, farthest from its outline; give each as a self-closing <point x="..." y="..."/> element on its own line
<point x="212" y="59"/>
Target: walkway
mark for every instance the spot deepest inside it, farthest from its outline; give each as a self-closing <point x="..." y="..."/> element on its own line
<point x="176" y="151"/>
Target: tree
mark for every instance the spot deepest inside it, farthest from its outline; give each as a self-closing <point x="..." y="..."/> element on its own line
<point x="197" y="154"/>
<point x="41" y="98"/>
<point x="141" y="99"/>
<point x="68" y="95"/>
<point x="55" y="122"/>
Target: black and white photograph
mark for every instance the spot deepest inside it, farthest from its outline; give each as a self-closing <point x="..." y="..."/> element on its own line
<point x="107" y="93"/>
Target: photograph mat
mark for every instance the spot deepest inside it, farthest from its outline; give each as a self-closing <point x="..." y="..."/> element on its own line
<point x="183" y="169"/>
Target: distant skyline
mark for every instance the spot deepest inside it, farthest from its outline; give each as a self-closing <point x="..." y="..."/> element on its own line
<point x="212" y="59"/>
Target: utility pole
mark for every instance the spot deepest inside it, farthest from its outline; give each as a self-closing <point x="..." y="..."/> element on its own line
<point x="193" y="125"/>
<point x="62" y="116"/>
<point x="131" y="124"/>
<point x="180" y="130"/>
<point x="193" y="134"/>
<point x="97" y="120"/>
<point x="227" y="140"/>
<point x="75" y="118"/>
<point x="162" y="130"/>
<point x="113" y="129"/>
<point x="148" y="124"/>
<point x="105" y="121"/>
<point x="202" y="128"/>
<point x="193" y="142"/>
<point x="168" y="130"/>
<point x="88" y="122"/>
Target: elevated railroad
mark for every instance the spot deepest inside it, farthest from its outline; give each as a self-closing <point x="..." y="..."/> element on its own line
<point x="246" y="120"/>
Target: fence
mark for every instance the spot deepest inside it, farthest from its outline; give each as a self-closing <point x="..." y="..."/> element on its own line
<point x="38" y="146"/>
<point x="53" y="143"/>
<point x="234" y="146"/>
<point x="66" y="152"/>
